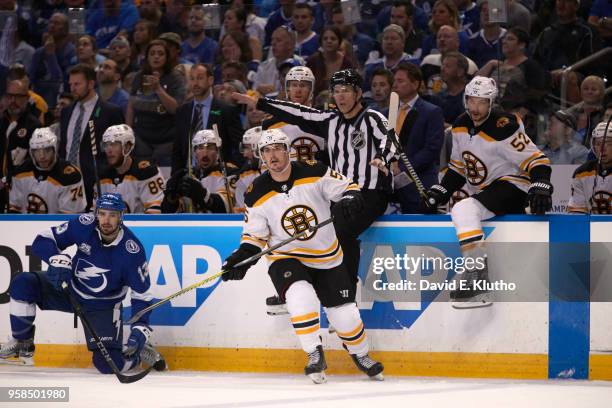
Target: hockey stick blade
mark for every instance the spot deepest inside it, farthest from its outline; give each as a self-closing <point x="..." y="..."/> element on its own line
<point x="255" y="257"/>
<point x="393" y="110"/>
<point x="124" y="379"/>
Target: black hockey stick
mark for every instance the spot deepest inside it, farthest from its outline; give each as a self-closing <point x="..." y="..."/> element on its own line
<point x="125" y="379"/>
<point x="94" y="152"/>
<point x="255" y="257"/>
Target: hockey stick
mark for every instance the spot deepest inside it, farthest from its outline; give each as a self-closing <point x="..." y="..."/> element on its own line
<point x="228" y="191"/>
<point x="255" y="257"/>
<point x="125" y="379"/>
<point x="393" y="109"/>
<point x="94" y="152"/>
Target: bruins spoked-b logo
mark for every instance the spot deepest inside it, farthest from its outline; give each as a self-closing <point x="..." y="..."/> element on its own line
<point x="475" y="170"/>
<point x="36" y="204"/>
<point x="297" y="219"/>
<point x="303" y="148"/>
<point x="601" y="201"/>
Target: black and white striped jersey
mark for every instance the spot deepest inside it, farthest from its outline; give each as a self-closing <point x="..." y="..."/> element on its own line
<point x="351" y="143"/>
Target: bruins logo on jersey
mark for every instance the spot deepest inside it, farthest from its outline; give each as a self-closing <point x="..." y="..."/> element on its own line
<point x="297" y="219"/>
<point x="458" y="196"/>
<point x="501" y="122"/>
<point x="475" y="170"/>
<point x="601" y="202"/>
<point x="37" y="205"/>
<point x="303" y="149"/>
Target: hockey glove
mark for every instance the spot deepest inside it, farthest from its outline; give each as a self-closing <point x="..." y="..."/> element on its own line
<point x="540" y="197"/>
<point x="352" y="205"/>
<point x="192" y="188"/>
<point x="437" y="195"/>
<point x="173" y="183"/>
<point x="60" y="270"/>
<point x="243" y="252"/>
<point x="139" y="336"/>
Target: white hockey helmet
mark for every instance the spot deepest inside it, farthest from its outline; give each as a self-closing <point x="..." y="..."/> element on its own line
<point x="122" y="134"/>
<point x="205" y="137"/>
<point x="481" y="87"/>
<point x="603" y="129"/>
<point x="43" y="138"/>
<point x="300" y="74"/>
<point x="250" y="139"/>
<point x="273" y="136"/>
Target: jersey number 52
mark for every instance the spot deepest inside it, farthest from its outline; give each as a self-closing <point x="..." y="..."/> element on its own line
<point x="520" y="142"/>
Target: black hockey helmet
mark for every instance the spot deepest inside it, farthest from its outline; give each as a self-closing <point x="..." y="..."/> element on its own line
<point x="345" y="77"/>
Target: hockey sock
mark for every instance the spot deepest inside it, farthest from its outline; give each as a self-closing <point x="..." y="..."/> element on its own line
<point x="25" y="293"/>
<point x="303" y="306"/>
<point x="349" y="327"/>
<point x="467" y="216"/>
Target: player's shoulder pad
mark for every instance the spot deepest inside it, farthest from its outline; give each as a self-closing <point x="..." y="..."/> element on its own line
<point x="261" y="186"/>
<point x="500" y="125"/>
<point x="26" y="167"/>
<point x="66" y="174"/>
<point x="308" y="168"/>
<point x="144" y="170"/>
<point x="462" y="121"/>
<point x="585" y="168"/>
<point x="232" y="170"/>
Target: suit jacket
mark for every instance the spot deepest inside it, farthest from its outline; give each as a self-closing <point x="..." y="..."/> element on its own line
<point x="104" y="115"/>
<point x="422" y="136"/>
<point x="227" y="118"/>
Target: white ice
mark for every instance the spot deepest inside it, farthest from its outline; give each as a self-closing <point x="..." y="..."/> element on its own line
<point x="183" y="389"/>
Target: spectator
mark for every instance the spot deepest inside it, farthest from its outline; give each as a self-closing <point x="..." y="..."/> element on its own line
<point x="328" y="60"/>
<point x="485" y="45"/>
<point x="16" y="127"/>
<point x="355" y="43"/>
<point x="88" y="113"/>
<point x="254" y="116"/>
<point x="202" y="113"/>
<point x="51" y="61"/>
<point x="255" y="26"/>
<point x="447" y="41"/>
<point x="444" y="13"/>
<point x="307" y="41"/>
<point x="87" y="52"/>
<point x="560" y="146"/>
<point x="235" y="21"/>
<point x="402" y="13"/>
<point x="22" y="51"/>
<point x="235" y="48"/>
<point x="590" y="112"/>
<point x="121" y="53"/>
<point x="108" y="85"/>
<point x="198" y="47"/>
<point x="454" y="74"/>
<point x="177" y="14"/>
<point x="599" y="17"/>
<point x="36" y="104"/>
<point x="114" y="18"/>
<point x="281" y="17"/>
<point x="156" y="93"/>
<point x="64" y="100"/>
<point x="144" y="33"/>
<point x="393" y="40"/>
<point x="173" y="43"/>
<point x="518" y="15"/>
<point x="267" y="79"/>
<point x="151" y="10"/>
<point x="420" y="131"/>
<point x="382" y="83"/>
<point x="234" y="71"/>
<point x="521" y="80"/>
<point x="469" y="16"/>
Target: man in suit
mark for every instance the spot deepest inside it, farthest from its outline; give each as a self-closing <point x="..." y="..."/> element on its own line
<point x="16" y="126"/>
<point x="420" y="127"/>
<point x="77" y="121"/>
<point x="202" y="113"/>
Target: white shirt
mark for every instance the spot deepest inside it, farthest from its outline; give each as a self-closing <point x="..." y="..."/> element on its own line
<point x="89" y="107"/>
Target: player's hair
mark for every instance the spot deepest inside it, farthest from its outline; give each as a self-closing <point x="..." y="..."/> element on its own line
<point x="88" y="72"/>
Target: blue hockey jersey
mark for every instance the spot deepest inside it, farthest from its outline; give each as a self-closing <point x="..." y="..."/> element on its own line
<point x="101" y="273"/>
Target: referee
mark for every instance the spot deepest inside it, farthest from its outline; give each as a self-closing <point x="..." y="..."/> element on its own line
<point x="358" y="148"/>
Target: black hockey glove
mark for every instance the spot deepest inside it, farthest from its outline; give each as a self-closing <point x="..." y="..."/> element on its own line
<point x="243" y="252"/>
<point x="352" y="204"/>
<point x="192" y="188"/>
<point x="539" y="197"/>
<point x="173" y="183"/>
<point x="437" y="195"/>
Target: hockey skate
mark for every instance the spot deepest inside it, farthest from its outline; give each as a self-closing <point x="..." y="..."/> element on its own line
<point x="474" y="293"/>
<point x="315" y="369"/>
<point x="150" y="356"/>
<point x="275" y="306"/>
<point x="18" y="352"/>
<point x="372" y="368"/>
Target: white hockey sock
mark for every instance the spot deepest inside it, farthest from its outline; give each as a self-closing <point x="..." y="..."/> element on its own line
<point x="467" y="215"/>
<point x="349" y="327"/>
<point x="303" y="306"/>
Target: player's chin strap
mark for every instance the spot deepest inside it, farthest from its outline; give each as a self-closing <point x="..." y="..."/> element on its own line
<point x="247" y="261"/>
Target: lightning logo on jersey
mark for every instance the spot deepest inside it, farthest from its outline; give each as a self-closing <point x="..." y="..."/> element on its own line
<point x="90" y="276"/>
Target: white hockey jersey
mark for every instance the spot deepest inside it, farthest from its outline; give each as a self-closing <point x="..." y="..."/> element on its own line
<point x="141" y="187"/>
<point x="59" y="191"/>
<point x="244" y="181"/>
<point x="591" y="190"/>
<point x="214" y="183"/>
<point x="499" y="149"/>
<point x="276" y="211"/>
<point x="304" y="145"/>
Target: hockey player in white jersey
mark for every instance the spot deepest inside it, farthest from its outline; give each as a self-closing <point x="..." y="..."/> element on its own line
<point x="251" y="168"/>
<point x="299" y="87"/>
<point x="592" y="183"/>
<point x="291" y="197"/>
<point x="210" y="190"/>
<point x="47" y="184"/>
<point x="140" y="183"/>
<point x="494" y="155"/>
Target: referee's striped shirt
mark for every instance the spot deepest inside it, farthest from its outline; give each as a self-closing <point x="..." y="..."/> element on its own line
<point x="353" y="162"/>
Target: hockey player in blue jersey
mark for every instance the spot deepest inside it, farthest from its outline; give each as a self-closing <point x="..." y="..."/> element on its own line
<point x="109" y="260"/>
